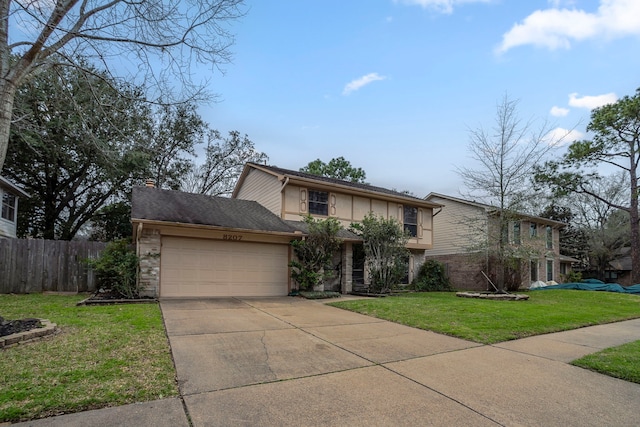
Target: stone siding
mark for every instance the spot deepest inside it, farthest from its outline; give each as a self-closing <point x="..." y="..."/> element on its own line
<point x="149" y="266"/>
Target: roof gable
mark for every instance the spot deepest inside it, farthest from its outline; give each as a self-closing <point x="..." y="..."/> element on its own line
<point x="491" y="209"/>
<point x="308" y="178"/>
<point x="154" y="204"/>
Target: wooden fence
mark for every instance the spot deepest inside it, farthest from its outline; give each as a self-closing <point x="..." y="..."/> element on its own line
<point x="34" y="265"/>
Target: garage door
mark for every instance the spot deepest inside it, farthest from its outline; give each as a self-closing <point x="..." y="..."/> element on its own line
<point x="212" y="268"/>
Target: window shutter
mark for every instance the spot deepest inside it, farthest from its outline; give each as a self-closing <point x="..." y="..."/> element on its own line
<point x="332" y="204"/>
<point x="303" y="200"/>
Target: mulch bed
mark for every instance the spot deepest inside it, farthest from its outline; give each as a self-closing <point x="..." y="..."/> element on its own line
<point x="108" y="296"/>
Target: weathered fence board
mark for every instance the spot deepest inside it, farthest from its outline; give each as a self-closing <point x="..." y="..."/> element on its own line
<point x="36" y="265"/>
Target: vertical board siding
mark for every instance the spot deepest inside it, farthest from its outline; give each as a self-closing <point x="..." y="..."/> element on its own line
<point x="35" y="265"/>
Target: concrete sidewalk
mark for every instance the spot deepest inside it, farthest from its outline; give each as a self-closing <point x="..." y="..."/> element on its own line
<point x="289" y="361"/>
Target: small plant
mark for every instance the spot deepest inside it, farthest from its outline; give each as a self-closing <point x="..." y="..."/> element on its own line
<point x="115" y="269"/>
<point x="431" y="277"/>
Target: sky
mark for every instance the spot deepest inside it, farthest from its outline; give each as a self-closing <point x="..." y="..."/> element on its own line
<point x="396" y="86"/>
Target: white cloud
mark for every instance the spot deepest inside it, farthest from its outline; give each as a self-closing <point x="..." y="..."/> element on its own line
<point x="560" y="136"/>
<point x="559" y="111"/>
<point x="591" y="102"/>
<point x="358" y="83"/>
<point x="442" y="6"/>
<point x="556" y="28"/>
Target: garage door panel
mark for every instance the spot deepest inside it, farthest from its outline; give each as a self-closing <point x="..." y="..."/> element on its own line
<point x="200" y="267"/>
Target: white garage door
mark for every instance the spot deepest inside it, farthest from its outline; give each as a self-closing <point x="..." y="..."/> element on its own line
<point x="213" y="268"/>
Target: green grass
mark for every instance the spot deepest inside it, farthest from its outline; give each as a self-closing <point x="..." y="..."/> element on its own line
<point x="621" y="362"/>
<point x="488" y="322"/>
<point x="103" y="356"/>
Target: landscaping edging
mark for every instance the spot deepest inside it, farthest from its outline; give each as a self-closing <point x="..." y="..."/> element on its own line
<point x="22" y="337"/>
<point x="491" y="296"/>
<point x="91" y="301"/>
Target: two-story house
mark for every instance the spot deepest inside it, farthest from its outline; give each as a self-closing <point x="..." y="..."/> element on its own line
<point x="194" y="245"/>
<point x="466" y="232"/>
<point x="291" y="195"/>
<point x="9" y="193"/>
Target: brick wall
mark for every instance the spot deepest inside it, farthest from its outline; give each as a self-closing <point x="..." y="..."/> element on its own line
<point x="464" y="271"/>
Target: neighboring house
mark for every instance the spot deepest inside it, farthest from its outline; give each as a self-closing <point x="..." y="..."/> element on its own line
<point x="292" y="195"/>
<point x="9" y="215"/>
<point x="463" y="231"/>
<point x="193" y="245"/>
<point x="619" y="270"/>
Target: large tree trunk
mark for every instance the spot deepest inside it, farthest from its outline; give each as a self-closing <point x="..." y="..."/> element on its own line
<point x="633" y="218"/>
<point x="7" y="95"/>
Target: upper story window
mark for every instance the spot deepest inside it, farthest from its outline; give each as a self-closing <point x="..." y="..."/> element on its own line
<point x="533" y="230"/>
<point x="318" y="202"/>
<point x="516" y="233"/>
<point x="411" y="220"/>
<point x="549" y="237"/>
<point x="9" y="207"/>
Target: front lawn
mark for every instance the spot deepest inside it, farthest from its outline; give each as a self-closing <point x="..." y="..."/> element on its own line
<point x="488" y="322"/>
<point x="103" y="356"/>
<point x="621" y="362"/>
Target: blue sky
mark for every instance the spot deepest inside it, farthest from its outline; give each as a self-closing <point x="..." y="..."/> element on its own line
<point x="395" y="85"/>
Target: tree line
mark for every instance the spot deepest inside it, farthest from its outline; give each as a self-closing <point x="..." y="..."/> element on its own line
<point x="81" y="140"/>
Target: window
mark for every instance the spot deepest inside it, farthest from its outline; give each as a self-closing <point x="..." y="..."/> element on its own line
<point x="411" y="220"/>
<point x="549" y="270"/>
<point x="318" y="202"/>
<point x="549" y="237"/>
<point x="563" y="268"/>
<point x="534" y="270"/>
<point x="9" y="207"/>
<point x="516" y="233"/>
<point x="533" y="230"/>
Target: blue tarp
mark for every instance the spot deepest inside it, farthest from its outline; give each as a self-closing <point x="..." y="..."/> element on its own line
<point x="595" y="285"/>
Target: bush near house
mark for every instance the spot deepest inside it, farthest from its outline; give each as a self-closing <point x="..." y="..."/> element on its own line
<point x="432" y="276"/>
<point x="116" y="268"/>
<point x="384" y="242"/>
<point x="315" y="252"/>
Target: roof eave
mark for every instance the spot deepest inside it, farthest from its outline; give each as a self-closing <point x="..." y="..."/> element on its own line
<point x="213" y="227"/>
<point x="14" y="188"/>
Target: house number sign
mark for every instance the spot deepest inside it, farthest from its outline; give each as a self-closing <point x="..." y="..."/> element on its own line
<point x="235" y="237"/>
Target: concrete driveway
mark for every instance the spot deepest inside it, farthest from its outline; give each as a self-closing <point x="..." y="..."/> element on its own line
<point x="293" y="362"/>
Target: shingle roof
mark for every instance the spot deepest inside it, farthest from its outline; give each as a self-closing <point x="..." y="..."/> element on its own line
<point x="187" y="208"/>
<point x="366" y="187"/>
<point x="342" y="233"/>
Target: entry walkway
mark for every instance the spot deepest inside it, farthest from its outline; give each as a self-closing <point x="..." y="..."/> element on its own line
<point x="293" y="362"/>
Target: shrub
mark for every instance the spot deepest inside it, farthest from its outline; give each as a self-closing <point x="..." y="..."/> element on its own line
<point x="431" y="277"/>
<point x="572" y="277"/>
<point x="116" y="267"/>
<point x="384" y="243"/>
<point x="314" y="254"/>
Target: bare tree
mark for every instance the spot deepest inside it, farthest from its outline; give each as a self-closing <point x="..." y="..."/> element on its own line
<point x="159" y="39"/>
<point x="225" y="159"/>
<point x="506" y="155"/>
